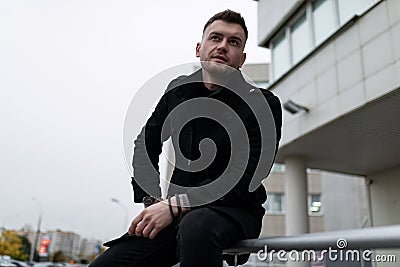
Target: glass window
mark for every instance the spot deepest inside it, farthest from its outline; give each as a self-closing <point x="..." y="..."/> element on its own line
<point x="348" y="9"/>
<point x="315" y="204"/>
<point x="274" y="203"/>
<point x="323" y="19"/>
<point x="313" y="25"/>
<point x="300" y="38"/>
<point x="261" y="84"/>
<point x="280" y="55"/>
<point x="278" y="167"/>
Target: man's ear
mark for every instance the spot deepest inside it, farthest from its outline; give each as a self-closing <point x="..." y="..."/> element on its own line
<point x="242" y="60"/>
<point x="198" y="45"/>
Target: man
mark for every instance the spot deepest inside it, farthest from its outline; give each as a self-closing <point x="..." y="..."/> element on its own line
<point x="225" y="134"/>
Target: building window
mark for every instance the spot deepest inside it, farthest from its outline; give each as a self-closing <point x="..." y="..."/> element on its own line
<point x="275" y="203"/>
<point x="316" y="21"/>
<point x="314" y="204"/>
<point x="348" y="9"/>
<point x="280" y="55"/>
<point x="277" y="167"/>
<point x="324" y="22"/>
<point x="300" y="38"/>
<point x="261" y="84"/>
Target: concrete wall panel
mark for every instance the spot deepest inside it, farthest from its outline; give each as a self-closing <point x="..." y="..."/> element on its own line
<point x="393" y="9"/>
<point x="385" y="197"/>
<point x="395" y="34"/>
<point x="349" y="71"/>
<point x="307" y="95"/>
<point x="327" y="85"/>
<point x="273" y="225"/>
<point x="377" y="54"/>
<point x="374" y="23"/>
<point x="325" y="59"/>
<point x="304" y="74"/>
<point x="397" y="66"/>
<point x="381" y="82"/>
<point x="352" y="98"/>
<point x="348" y="42"/>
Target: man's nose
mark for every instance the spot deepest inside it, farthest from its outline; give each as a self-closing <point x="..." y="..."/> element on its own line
<point x="223" y="46"/>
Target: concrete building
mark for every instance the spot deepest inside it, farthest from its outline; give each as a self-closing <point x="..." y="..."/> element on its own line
<point x="274" y="219"/>
<point x="67" y="242"/>
<point x="258" y="73"/>
<point x="89" y="248"/>
<point x="334" y="201"/>
<point x="340" y="60"/>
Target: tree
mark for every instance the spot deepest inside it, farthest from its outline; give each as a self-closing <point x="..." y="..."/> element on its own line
<point x="11" y="244"/>
<point x="59" y="256"/>
<point x="26" y="246"/>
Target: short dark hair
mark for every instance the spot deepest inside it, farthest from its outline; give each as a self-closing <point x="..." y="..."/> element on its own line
<point x="228" y="16"/>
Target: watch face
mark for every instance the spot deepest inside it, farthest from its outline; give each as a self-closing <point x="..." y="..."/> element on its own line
<point x="148" y="200"/>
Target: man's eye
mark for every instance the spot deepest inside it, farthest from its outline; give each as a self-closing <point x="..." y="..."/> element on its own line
<point x="234" y="42"/>
<point x="215" y="37"/>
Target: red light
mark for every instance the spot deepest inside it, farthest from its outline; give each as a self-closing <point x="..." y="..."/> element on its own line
<point x="45" y="242"/>
<point x="42" y="250"/>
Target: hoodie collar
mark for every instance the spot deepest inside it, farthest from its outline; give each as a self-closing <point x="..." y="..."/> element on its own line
<point x="234" y="82"/>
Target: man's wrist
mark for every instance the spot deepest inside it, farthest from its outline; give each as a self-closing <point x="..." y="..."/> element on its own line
<point x="183" y="203"/>
<point x="150" y="200"/>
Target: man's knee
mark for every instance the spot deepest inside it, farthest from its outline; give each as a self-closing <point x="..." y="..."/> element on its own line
<point x="198" y="229"/>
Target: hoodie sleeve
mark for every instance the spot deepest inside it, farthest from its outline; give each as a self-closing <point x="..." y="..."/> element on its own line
<point x="148" y="147"/>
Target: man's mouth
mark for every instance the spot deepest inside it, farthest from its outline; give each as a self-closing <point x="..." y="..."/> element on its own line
<point x="220" y="58"/>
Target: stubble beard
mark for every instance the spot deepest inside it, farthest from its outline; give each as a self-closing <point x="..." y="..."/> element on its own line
<point x="217" y="71"/>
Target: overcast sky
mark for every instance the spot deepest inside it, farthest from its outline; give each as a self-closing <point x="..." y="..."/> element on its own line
<point x="68" y="72"/>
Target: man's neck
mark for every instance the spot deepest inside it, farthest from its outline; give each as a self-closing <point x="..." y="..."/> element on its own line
<point x="211" y="82"/>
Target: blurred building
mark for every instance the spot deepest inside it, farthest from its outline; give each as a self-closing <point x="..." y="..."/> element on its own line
<point x="28" y="232"/>
<point x="89" y="248"/>
<point x="335" y="66"/>
<point x="258" y="73"/>
<point x="67" y="242"/>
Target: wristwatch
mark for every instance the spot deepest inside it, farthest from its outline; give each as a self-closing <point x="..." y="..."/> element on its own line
<point x="149" y="200"/>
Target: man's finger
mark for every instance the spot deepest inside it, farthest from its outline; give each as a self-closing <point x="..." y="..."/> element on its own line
<point x="153" y="233"/>
<point x="139" y="228"/>
<point x="147" y="230"/>
<point x="135" y="223"/>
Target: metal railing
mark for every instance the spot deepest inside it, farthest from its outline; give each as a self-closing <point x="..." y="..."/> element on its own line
<point x="366" y="238"/>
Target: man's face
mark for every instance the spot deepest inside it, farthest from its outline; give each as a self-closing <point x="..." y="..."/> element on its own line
<point x="223" y="43"/>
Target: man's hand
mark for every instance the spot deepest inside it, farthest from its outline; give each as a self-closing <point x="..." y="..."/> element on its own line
<point x="151" y="220"/>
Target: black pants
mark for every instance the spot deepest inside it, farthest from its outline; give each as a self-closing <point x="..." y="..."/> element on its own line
<point x="198" y="241"/>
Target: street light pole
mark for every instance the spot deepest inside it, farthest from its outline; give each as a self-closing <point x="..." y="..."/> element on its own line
<point x="37" y="233"/>
<point x="116" y="201"/>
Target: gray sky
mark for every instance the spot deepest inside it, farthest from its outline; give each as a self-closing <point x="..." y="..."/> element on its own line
<point x="68" y="71"/>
